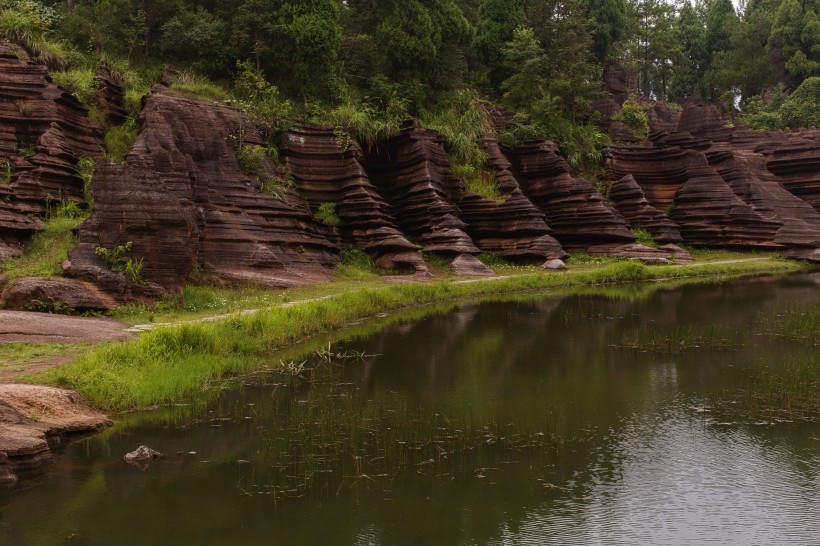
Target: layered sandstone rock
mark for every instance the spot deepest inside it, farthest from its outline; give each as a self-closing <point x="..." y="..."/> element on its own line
<point x="796" y="160"/>
<point x="56" y="294"/>
<point x="705" y="121"/>
<point x="682" y="183"/>
<point x="662" y="118"/>
<point x="110" y="94"/>
<point x="32" y="419"/>
<point x="325" y="166"/>
<point x="630" y="200"/>
<point x="182" y="200"/>
<point x="511" y="227"/>
<point x="43" y="134"/>
<point x="575" y="210"/>
<point x="746" y="173"/>
<point x="412" y="172"/>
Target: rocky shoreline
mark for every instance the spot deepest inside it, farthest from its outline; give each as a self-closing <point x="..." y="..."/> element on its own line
<point x="36" y="418"/>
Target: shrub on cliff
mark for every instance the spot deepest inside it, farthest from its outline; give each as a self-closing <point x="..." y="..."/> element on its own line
<point x="802" y="108"/>
<point x="634" y="116"/>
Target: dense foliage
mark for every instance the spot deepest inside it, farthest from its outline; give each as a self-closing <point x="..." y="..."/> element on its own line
<point x="361" y="62"/>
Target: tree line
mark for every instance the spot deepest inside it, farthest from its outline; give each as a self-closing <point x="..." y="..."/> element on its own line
<point x="543" y="58"/>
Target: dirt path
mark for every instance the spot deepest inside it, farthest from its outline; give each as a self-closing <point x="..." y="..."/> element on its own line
<point x="45" y="328"/>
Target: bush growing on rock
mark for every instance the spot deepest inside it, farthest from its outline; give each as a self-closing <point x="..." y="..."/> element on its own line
<point x="802" y="108"/>
<point x="633" y="115"/>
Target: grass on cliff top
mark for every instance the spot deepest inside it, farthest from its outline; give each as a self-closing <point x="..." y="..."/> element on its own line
<point x="171" y="363"/>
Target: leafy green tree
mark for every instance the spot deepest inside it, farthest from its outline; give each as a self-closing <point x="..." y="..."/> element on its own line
<point x="690" y="65"/>
<point x="751" y="71"/>
<point x="190" y="37"/>
<point x="497" y="21"/>
<point x="794" y="42"/>
<point x="721" y="24"/>
<point x="802" y="108"/>
<point x="609" y="19"/>
<point x="562" y="28"/>
<point x="653" y="45"/>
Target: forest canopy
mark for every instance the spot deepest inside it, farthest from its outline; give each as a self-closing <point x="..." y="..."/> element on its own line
<point x="383" y="59"/>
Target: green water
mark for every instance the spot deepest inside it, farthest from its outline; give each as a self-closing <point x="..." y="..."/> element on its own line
<point x="578" y="419"/>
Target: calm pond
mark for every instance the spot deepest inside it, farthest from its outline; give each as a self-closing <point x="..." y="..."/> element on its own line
<point x="642" y="415"/>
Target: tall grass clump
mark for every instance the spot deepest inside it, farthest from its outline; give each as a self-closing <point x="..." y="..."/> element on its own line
<point x="783" y="390"/>
<point x="28" y="24"/>
<point x="198" y="86"/>
<point x="644" y="237"/>
<point x="355" y="265"/>
<point x="79" y="81"/>
<point x="119" y="139"/>
<point x="464" y="122"/>
<point x="366" y="122"/>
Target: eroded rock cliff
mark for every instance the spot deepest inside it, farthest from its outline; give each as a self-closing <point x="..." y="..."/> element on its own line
<point x="44" y="132"/>
<point x="186" y="205"/>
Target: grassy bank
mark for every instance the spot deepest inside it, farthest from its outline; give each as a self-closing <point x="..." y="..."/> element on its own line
<point x="174" y="362"/>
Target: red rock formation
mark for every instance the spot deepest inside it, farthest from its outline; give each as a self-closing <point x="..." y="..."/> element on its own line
<point x="328" y="171"/>
<point x="33" y="417"/>
<point x="182" y="200"/>
<point x="46" y="294"/>
<point x="796" y="160"/>
<point x="43" y="133"/>
<point x="619" y="83"/>
<point x="110" y="94"/>
<point x="413" y="174"/>
<point x="629" y="199"/>
<point x="663" y="118"/>
<point x="705" y="121"/>
<point x="513" y="228"/>
<point x="746" y="173"/>
<point x="704" y="206"/>
<point x="575" y="210"/>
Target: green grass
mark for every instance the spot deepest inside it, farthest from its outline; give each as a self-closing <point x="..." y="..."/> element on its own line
<point x="643" y="237"/>
<point x="119" y="139"/>
<point x="48" y="248"/>
<point x="355" y="265"/>
<point x="190" y="83"/>
<point x="174" y="362"/>
<point x="480" y="181"/>
<point x="16" y="357"/>
<point x="79" y="81"/>
<point x="783" y="390"/>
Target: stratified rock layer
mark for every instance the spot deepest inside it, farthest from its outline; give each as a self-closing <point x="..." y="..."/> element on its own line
<point x="43" y="134"/>
<point x="32" y="419"/>
<point x="628" y="197"/>
<point x="326" y="169"/>
<point x="110" y="94"/>
<point x="575" y="210"/>
<point x="183" y="201"/>
<point x="718" y="184"/>
<point x="412" y="172"/>
<point x="796" y="160"/>
<point x="697" y="199"/>
<point x="511" y="227"/>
